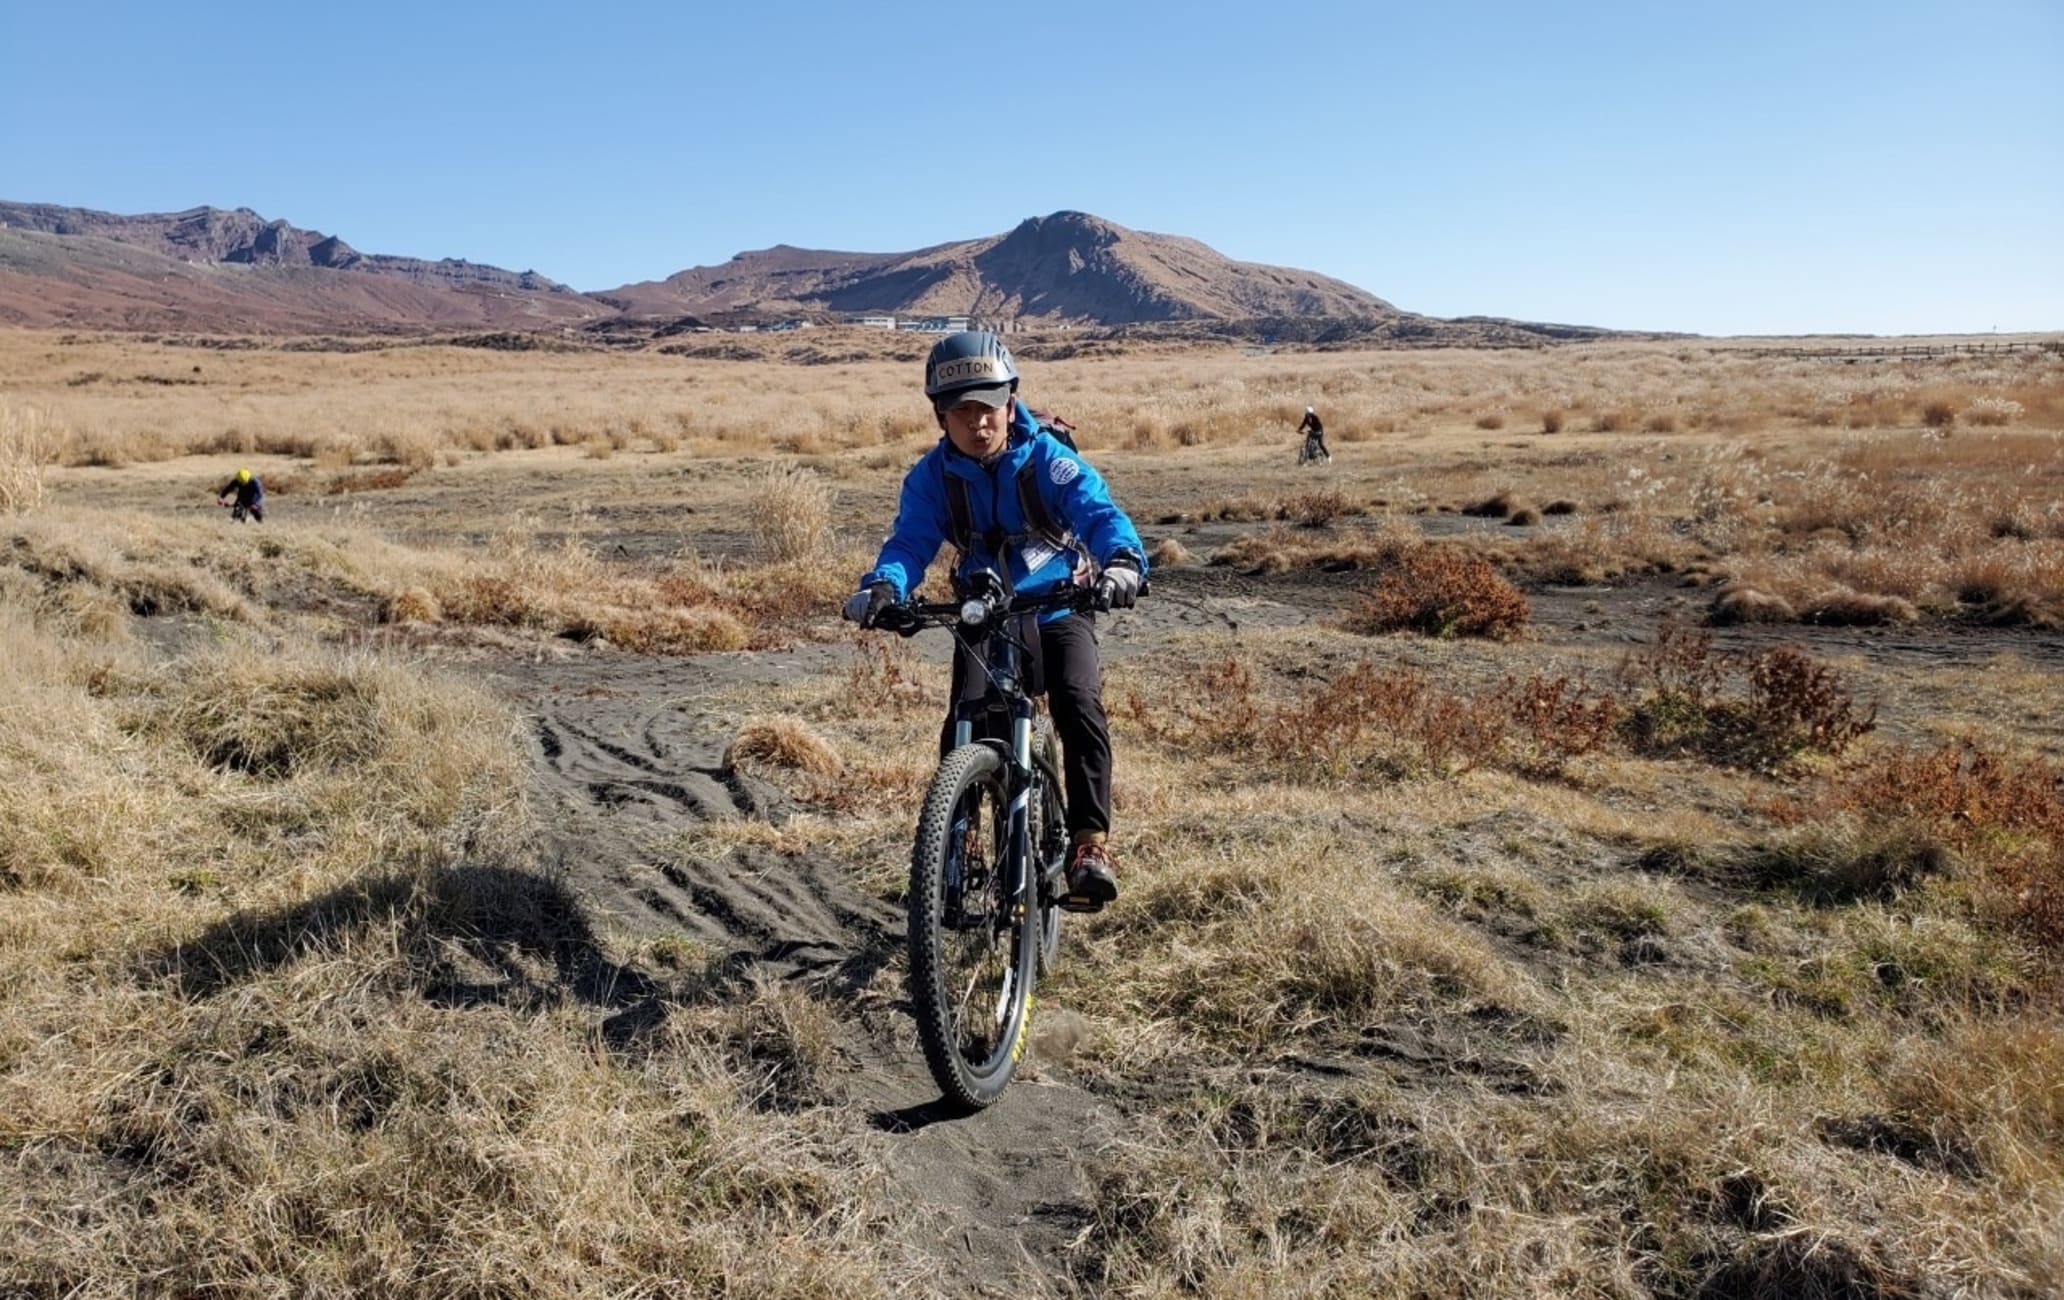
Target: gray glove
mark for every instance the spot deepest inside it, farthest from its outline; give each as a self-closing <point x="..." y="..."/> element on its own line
<point x="1119" y="586"/>
<point x="868" y="603"/>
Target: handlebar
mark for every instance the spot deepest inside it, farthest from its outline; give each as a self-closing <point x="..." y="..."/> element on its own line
<point x="912" y="617"/>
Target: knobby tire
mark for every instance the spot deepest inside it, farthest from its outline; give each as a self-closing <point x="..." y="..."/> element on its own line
<point x="962" y="1015"/>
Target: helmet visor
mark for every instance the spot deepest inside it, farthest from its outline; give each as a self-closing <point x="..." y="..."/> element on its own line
<point x="988" y="395"/>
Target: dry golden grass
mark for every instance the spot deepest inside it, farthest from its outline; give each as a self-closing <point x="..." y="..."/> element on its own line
<point x="790" y="510"/>
<point x="27" y="448"/>
<point x="282" y="1007"/>
<point x="1455" y="967"/>
<point x="783" y="743"/>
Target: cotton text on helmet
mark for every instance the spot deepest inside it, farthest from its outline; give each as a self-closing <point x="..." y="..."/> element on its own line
<point x="972" y="365"/>
<point x="243" y="476"/>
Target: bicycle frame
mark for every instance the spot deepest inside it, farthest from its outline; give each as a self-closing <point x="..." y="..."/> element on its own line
<point x="1002" y="661"/>
<point x="996" y="652"/>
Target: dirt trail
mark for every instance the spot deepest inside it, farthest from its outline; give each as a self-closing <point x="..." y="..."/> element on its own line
<point x="628" y="757"/>
<point x="628" y="754"/>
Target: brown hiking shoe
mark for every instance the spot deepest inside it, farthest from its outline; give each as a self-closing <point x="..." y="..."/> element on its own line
<point x="1092" y="878"/>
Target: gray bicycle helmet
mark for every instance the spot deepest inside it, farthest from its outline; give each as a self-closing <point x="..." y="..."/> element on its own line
<point x="971" y="366"/>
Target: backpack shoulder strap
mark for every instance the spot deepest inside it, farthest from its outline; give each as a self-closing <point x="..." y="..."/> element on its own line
<point x="960" y="513"/>
<point x="1062" y="431"/>
<point x="1039" y="520"/>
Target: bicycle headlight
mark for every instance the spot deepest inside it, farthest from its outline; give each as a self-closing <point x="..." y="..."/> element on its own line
<point x="974" y="613"/>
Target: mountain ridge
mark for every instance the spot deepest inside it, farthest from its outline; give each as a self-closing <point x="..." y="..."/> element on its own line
<point x="235" y="270"/>
<point x="1067" y="267"/>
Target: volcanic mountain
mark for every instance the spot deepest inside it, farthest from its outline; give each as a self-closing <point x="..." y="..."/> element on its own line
<point x="1069" y="266"/>
<point x="234" y="271"/>
<point x="210" y="268"/>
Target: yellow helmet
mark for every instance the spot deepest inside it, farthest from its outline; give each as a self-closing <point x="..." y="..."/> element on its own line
<point x="243" y="476"/>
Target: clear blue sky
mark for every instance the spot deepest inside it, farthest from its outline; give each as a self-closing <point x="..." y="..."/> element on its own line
<point x="1731" y="168"/>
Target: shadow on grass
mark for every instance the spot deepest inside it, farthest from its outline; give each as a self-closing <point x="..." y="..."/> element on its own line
<point x="463" y="935"/>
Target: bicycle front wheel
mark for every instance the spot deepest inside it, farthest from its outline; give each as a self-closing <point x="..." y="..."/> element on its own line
<point x="974" y="930"/>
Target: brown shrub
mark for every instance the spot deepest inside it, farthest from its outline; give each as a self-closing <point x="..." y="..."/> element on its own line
<point x="1993" y="412"/>
<point x="410" y="605"/>
<point x="883" y="677"/>
<point x="1680" y="663"/>
<point x="784" y="743"/>
<point x="1551" y="421"/>
<point x="699" y="629"/>
<point x="1563" y="717"/>
<point x="1963" y="786"/>
<point x="1215" y="709"/>
<point x="1317" y="509"/>
<point x="413" y="449"/>
<point x="1938" y="414"/>
<point x="1168" y="553"/>
<point x="1395" y="719"/>
<point x="1491" y="421"/>
<point x="1758" y="710"/>
<point x="1560" y="506"/>
<point x="27" y="449"/>
<point x="1523" y="516"/>
<point x="1738" y="604"/>
<point x="1441" y="591"/>
<point x="1801" y="703"/>
<point x="1841" y="607"/>
<point x="790" y="512"/>
<point x="1494" y="507"/>
<point x="370" y="480"/>
<point x="2014" y="524"/>
<point x="490" y="600"/>
<point x="1236" y="510"/>
<point x="1660" y="422"/>
<point x="2004" y="812"/>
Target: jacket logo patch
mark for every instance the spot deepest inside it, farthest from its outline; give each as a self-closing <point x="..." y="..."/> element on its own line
<point x="1063" y="471"/>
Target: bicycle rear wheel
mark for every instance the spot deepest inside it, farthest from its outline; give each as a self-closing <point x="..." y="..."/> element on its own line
<point x="974" y="930"/>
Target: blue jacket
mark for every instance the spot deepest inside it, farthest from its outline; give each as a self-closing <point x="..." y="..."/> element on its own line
<point x="1069" y="486"/>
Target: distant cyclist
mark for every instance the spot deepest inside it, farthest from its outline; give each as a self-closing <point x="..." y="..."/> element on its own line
<point x="244" y="495"/>
<point x="1002" y="488"/>
<point x="1314" y="438"/>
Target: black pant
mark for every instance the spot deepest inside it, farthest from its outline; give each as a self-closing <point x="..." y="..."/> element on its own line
<point x="1073" y="678"/>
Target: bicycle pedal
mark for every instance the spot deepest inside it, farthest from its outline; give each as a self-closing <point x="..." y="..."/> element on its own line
<point x="1079" y="903"/>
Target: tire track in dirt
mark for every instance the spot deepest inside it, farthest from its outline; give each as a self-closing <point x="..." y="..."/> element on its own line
<point x="627" y="760"/>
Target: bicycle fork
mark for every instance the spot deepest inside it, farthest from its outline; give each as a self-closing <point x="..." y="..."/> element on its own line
<point x="1028" y="878"/>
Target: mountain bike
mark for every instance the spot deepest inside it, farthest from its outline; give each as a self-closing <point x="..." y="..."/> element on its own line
<point x="1314" y="450"/>
<point x="989" y="865"/>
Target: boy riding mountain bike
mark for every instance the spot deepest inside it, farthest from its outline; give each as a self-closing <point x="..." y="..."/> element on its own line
<point x="245" y="495"/>
<point x="1314" y="432"/>
<point x="1013" y="499"/>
